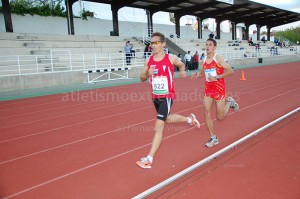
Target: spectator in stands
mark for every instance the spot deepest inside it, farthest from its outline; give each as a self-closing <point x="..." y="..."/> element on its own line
<point x="166" y="50"/>
<point x="127" y="49"/>
<point x="263" y="39"/>
<point x="276" y="41"/>
<point x="196" y="61"/>
<point x="188" y="58"/>
<point x="132" y="51"/>
<point x="276" y="51"/>
<point x="202" y="57"/>
<point x="215" y="69"/>
<point x="159" y="68"/>
<point x="285" y="44"/>
<point x="272" y="51"/>
<point x="180" y="58"/>
<point x="147" y="51"/>
<point x="211" y="35"/>
<point x="257" y="46"/>
<point x="250" y="42"/>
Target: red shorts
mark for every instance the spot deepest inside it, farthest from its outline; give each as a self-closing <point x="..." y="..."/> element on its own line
<point x="215" y="91"/>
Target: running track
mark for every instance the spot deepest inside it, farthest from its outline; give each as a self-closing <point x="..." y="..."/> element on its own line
<point x="85" y="144"/>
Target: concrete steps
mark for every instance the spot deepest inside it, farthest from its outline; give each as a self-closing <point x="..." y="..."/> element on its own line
<point x="36" y="44"/>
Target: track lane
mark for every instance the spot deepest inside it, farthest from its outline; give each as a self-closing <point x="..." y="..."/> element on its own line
<point x="141" y="138"/>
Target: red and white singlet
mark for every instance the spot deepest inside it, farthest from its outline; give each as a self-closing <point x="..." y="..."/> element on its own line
<point x="214" y="89"/>
<point x="162" y="81"/>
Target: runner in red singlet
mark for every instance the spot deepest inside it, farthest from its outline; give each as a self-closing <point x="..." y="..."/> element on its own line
<point x="215" y="69"/>
<point x="159" y="69"/>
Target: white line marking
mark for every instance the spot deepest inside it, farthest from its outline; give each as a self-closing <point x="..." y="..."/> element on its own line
<point x="73" y="113"/>
<point x="164" y="183"/>
<point x="81" y="140"/>
<point x="77" y="141"/>
<point x="211" y="157"/>
<point x="58" y="128"/>
<point x="119" y="155"/>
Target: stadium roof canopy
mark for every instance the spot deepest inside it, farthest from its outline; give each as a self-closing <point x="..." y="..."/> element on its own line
<point x="241" y="11"/>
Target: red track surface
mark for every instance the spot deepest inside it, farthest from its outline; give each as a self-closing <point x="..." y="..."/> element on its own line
<point x="84" y="144"/>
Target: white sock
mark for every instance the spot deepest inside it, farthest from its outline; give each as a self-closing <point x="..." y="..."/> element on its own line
<point x="214" y="137"/>
<point x="189" y="120"/>
<point x="150" y="158"/>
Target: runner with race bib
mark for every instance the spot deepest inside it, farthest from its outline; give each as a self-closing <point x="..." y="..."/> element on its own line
<point x="159" y="69"/>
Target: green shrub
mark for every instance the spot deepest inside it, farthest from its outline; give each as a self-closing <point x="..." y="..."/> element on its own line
<point x="293" y="34"/>
<point x="42" y="8"/>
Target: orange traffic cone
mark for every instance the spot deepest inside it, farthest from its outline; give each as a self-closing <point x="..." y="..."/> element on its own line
<point x="243" y="76"/>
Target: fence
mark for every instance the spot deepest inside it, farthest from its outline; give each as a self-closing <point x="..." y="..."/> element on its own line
<point x="264" y="52"/>
<point x="64" y="61"/>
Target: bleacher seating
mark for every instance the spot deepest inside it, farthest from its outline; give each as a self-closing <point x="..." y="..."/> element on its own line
<point x="222" y="46"/>
<point x="38" y="44"/>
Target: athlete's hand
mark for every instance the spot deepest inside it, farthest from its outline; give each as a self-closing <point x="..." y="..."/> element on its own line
<point x="212" y="78"/>
<point x="182" y="74"/>
<point x="194" y="75"/>
<point x="150" y="72"/>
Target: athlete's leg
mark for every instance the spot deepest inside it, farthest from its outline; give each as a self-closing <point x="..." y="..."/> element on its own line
<point x="158" y="132"/>
<point x="163" y="108"/>
<point x="222" y="107"/>
<point x="208" y="103"/>
<point x="170" y="119"/>
<point x="175" y="118"/>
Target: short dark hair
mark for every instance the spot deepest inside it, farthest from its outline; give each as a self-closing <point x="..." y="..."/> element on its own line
<point x="212" y="40"/>
<point x="162" y="36"/>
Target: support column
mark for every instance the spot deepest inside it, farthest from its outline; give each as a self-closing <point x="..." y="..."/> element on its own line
<point x="269" y="33"/>
<point x="177" y="24"/>
<point x="7" y="16"/>
<point x="114" y="10"/>
<point x="218" y="28"/>
<point x="247" y="31"/>
<point x="199" y="28"/>
<point x="70" y="21"/>
<point x="258" y="32"/>
<point x="149" y="14"/>
<point x="233" y="30"/>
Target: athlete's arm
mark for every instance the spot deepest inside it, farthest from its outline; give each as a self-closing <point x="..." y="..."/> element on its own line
<point x="200" y="73"/>
<point x="176" y="62"/>
<point x="146" y="73"/>
<point x="228" y="70"/>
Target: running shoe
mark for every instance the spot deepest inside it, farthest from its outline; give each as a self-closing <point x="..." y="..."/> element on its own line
<point x="195" y="122"/>
<point x="212" y="142"/>
<point x="233" y="104"/>
<point x="144" y="163"/>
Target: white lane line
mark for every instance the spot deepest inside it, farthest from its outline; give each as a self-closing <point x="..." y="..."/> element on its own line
<point x="147" y="192"/>
<point x="212" y="157"/>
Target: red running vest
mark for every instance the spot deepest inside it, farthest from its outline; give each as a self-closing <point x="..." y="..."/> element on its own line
<point x="165" y="71"/>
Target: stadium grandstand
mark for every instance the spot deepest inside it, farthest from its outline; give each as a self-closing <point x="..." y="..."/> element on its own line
<point x="60" y="53"/>
<point x="79" y="107"/>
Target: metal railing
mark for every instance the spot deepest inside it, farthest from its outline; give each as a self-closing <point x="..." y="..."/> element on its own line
<point x="252" y="53"/>
<point x="65" y="61"/>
